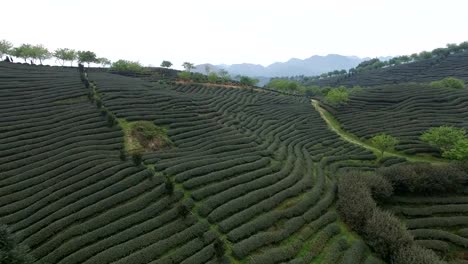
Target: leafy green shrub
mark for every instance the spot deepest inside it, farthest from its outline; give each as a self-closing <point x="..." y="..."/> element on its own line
<point x="459" y="151"/>
<point x="127" y="66"/>
<point x="337" y="96"/>
<point x="184" y="75"/>
<point x="449" y="82"/>
<point x="443" y="137"/>
<point x="450" y="140"/>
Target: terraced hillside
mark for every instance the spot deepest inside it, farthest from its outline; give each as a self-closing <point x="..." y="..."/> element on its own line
<point x="254" y="173"/>
<point x="439" y="222"/>
<point x="404" y="111"/>
<point x="455" y="65"/>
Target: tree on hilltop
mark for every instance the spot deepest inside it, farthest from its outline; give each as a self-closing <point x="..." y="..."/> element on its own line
<point x="166" y="64"/>
<point x="5" y="48"/>
<point x="87" y="57"/>
<point x="104" y="62"/>
<point x="40" y="53"/>
<point x="64" y="55"/>
<point x="188" y="66"/>
<point x="24" y="52"/>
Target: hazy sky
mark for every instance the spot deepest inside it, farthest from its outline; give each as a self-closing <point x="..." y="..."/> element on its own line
<point x="235" y="31"/>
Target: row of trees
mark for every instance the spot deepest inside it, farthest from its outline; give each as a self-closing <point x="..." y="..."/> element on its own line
<point x="40" y="53"/>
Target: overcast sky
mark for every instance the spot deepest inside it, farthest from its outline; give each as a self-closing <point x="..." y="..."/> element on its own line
<point x="235" y="31"/>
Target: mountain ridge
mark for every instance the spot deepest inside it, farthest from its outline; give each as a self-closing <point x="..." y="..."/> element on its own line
<point x="311" y="66"/>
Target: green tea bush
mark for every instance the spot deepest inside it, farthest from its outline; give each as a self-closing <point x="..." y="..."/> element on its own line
<point x="449" y="82"/>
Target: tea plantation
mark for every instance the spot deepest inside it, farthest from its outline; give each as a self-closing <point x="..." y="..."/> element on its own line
<point x="244" y="175"/>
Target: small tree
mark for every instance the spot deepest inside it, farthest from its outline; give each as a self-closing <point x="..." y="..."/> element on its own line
<point x="104" y="62"/>
<point x="24" y="52"/>
<point x="384" y="142"/>
<point x="188" y="66"/>
<point x="166" y="64"/>
<point x="5" y="48"/>
<point x="64" y="55"/>
<point x="40" y="53"/>
<point x="443" y="137"/>
<point x="87" y="57"/>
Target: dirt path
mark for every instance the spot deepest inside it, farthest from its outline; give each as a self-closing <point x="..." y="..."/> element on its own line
<point x="334" y="125"/>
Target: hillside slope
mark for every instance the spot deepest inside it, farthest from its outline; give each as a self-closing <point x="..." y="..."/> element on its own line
<point x="255" y="169"/>
<point x="455" y="65"/>
<point x="404" y="111"/>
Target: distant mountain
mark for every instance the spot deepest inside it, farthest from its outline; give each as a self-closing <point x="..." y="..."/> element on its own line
<point x="314" y="65"/>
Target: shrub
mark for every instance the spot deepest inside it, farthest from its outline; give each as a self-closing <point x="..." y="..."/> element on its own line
<point x="449" y="82"/>
<point x="425" y="178"/>
<point x="184" y="75"/>
<point x="443" y="137"/>
<point x="354" y="199"/>
<point x="127" y="66"/>
<point x="459" y="151"/>
<point x="337" y="96"/>
<point x="385" y="233"/>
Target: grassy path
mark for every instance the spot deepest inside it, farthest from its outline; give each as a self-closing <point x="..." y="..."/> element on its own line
<point x="335" y="126"/>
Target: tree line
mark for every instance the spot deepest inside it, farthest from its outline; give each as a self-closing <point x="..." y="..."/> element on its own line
<point x="34" y="53"/>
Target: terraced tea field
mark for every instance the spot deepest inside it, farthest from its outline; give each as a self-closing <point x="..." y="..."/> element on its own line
<point x="252" y="167"/>
<point x="250" y="176"/>
<point x="437" y="222"/>
<point x="433" y="69"/>
<point x="404" y="111"/>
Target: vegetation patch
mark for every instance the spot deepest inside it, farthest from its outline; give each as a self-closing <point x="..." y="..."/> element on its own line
<point x="144" y="136"/>
<point x="449" y="82"/>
